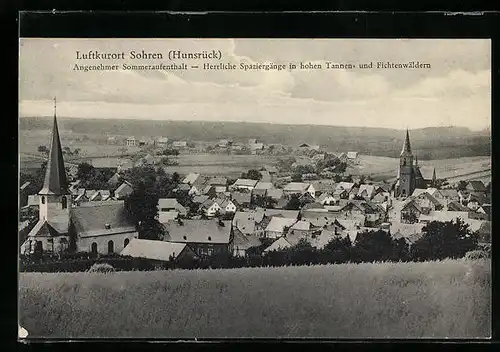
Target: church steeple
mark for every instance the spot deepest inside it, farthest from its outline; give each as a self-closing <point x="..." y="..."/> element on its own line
<point x="434" y="178"/>
<point x="406" y="146"/>
<point x="55" y="182"/>
<point x="407" y="170"/>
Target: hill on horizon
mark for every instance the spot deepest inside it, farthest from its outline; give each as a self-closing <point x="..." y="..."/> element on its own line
<point x="427" y="143"/>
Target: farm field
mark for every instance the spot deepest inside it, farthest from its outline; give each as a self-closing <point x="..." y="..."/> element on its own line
<point x="447" y="299"/>
<point x="457" y="169"/>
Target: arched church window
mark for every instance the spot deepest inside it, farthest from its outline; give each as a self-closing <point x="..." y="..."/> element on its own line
<point x="404" y="162"/>
<point x="125" y="243"/>
<point x="43" y="200"/>
<point x="93" y="248"/>
<point x="64" y="202"/>
<point x="110" y="247"/>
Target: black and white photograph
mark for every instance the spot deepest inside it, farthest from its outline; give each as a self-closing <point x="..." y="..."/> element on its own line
<point x="254" y="188"/>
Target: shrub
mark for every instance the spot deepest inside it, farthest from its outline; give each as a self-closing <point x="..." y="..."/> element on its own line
<point x="476" y="254"/>
<point x="101" y="268"/>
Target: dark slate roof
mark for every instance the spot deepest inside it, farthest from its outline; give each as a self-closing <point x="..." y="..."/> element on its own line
<point x="477" y="185"/>
<point x="55" y="176"/>
<point x="417" y="172"/>
<point x="406" y="146"/>
<point x="242" y="241"/>
<point x="456" y="206"/>
<point x="44" y="229"/>
<point x="91" y="219"/>
<point x="241" y="198"/>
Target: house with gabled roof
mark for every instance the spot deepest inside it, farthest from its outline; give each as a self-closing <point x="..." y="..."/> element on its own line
<point x="263" y="186"/>
<point x="132" y="142"/>
<point x="200" y="199"/>
<point x="205" y="237"/>
<point x="427" y="202"/>
<point x="436" y="193"/>
<point x="244" y="183"/>
<point x="475" y="186"/>
<point x="366" y="191"/>
<point x="227" y="205"/>
<point x="301" y="229"/>
<point x="242" y="243"/>
<point x="275" y="194"/>
<point x="456" y="206"/>
<point x="324" y="185"/>
<point x="345" y="186"/>
<point x="123" y="191"/>
<point x="246" y="221"/>
<point x="476" y="199"/>
<point x="217" y="181"/>
<point x="169" y="204"/>
<point x="100" y="195"/>
<point x="241" y="199"/>
<point x="450" y="194"/>
<point x="299" y="188"/>
<point x="114" y="181"/>
<point x="326" y="236"/>
<point x="341" y="194"/>
<point x="327" y="199"/>
<point x="182" y="187"/>
<point x="278" y="245"/>
<point x="210" y="207"/>
<point x="197" y="188"/>
<point x="410" y="210"/>
<point x="191" y="178"/>
<point x="160" y="251"/>
<point x="352" y="155"/>
<point x="278" y="226"/>
<point x="381" y="197"/>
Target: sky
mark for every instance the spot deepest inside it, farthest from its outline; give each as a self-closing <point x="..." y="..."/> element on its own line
<point x="456" y="90"/>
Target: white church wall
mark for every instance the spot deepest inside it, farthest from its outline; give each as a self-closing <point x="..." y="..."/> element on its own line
<point x="84" y="244"/>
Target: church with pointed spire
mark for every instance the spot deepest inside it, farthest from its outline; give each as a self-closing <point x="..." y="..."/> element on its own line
<point x="409" y="174"/>
<point x="100" y="227"/>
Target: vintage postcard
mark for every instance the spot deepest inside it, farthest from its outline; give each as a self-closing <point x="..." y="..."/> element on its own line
<point x="255" y="188"/>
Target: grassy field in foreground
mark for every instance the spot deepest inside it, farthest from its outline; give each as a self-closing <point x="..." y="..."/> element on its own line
<point x="432" y="299"/>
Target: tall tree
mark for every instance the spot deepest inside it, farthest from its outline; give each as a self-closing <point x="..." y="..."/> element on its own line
<point x="440" y="240"/>
<point x="252" y="175"/>
<point x="373" y="246"/>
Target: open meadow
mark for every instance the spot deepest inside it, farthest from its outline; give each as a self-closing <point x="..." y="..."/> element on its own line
<point x="447" y="299"/>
